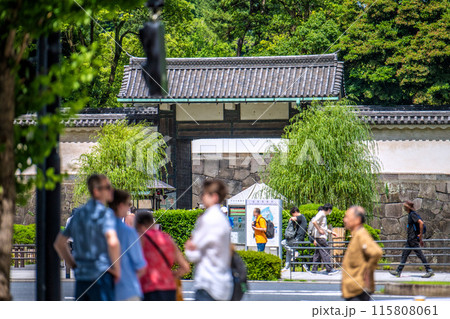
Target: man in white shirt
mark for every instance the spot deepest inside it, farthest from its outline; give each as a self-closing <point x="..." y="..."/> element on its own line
<point x="320" y="239"/>
<point x="209" y="247"/>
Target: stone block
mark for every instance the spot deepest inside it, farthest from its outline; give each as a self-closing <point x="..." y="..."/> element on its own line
<point x="441" y="187"/>
<point x="448" y="187"/>
<point x="379" y="210"/>
<point x="249" y="181"/>
<point x="427" y="191"/>
<point x="417" y="203"/>
<point x="443" y="197"/>
<point x="195" y="200"/>
<point x="390" y="226"/>
<point x="234" y="187"/>
<point x="383" y="199"/>
<point x="226" y="173"/>
<point x="405" y="195"/>
<point x="197" y="183"/>
<point x="211" y="168"/>
<point x="375" y="223"/>
<point x="393" y="210"/>
<point x="197" y="167"/>
<point x="255" y="165"/>
<point x="411" y="186"/>
<point x="393" y="197"/>
<point x="241" y="174"/>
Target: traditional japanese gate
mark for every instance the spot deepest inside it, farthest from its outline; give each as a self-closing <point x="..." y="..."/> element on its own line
<point x="238" y="97"/>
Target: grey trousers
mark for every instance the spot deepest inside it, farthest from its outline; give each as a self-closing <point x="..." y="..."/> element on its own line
<point x="322" y="254"/>
<point x="289" y="252"/>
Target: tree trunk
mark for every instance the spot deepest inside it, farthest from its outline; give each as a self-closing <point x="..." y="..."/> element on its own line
<point x="7" y="178"/>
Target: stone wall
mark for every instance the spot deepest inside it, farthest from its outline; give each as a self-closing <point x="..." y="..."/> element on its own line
<point x="429" y="192"/>
<point x="238" y="171"/>
<point x="26" y="214"/>
<point x="431" y="197"/>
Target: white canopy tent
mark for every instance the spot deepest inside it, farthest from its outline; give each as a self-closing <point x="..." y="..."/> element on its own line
<point x="256" y="191"/>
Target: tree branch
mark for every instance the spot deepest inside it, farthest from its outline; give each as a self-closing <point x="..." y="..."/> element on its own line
<point x="125" y="33"/>
<point x="23" y="46"/>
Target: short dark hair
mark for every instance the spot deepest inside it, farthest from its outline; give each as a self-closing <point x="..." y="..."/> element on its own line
<point x="320" y="208"/>
<point x="327" y="207"/>
<point x="120" y="197"/>
<point x="360" y="212"/>
<point x="94" y="181"/>
<point x="257" y="210"/>
<point x="215" y="186"/>
<point x="144" y="217"/>
<point x="294" y="210"/>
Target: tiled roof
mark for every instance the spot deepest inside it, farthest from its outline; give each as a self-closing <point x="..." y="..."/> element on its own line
<point x="406" y="115"/>
<point x="100" y="117"/>
<point x="304" y="76"/>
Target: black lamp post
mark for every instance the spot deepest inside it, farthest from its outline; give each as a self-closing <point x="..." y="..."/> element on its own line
<point x="48" y="202"/>
<point x="152" y="39"/>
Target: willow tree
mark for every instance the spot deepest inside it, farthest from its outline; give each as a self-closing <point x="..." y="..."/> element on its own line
<point x="326" y="156"/>
<point x="131" y="155"/>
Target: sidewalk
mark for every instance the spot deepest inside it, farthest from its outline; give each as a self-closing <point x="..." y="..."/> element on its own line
<point x="381" y="276"/>
<point x="28" y="273"/>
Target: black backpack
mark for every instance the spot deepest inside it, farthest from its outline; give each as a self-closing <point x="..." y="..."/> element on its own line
<point x="270" y="229"/>
<point x="239" y="273"/>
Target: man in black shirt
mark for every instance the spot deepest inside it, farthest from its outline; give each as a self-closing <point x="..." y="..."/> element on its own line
<point x="414" y="241"/>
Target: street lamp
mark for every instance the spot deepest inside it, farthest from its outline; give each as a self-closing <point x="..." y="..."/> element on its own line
<point x="152" y="39"/>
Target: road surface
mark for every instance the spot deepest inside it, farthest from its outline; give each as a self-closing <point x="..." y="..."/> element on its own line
<point x="261" y="291"/>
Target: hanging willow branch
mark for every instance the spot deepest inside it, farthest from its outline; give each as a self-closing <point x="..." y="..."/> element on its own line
<point x="326" y="157"/>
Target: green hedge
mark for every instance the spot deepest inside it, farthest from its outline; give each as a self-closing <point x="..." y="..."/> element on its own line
<point x="24" y="234"/>
<point x="178" y="223"/>
<point x="261" y="266"/>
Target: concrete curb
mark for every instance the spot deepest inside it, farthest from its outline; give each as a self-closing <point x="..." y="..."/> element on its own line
<point x="417" y="289"/>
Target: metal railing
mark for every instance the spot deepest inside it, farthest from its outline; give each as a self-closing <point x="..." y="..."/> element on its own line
<point x="440" y="256"/>
<point x="23" y="254"/>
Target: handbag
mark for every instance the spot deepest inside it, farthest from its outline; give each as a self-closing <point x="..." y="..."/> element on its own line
<point x="179" y="290"/>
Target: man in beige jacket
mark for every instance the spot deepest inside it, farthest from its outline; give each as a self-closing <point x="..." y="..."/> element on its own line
<point x="360" y="260"/>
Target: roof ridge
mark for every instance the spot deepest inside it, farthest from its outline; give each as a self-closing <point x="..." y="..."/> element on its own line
<point x="252" y="60"/>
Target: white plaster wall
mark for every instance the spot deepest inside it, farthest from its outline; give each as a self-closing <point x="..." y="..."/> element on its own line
<point x="264" y="111"/>
<point x="70" y="152"/>
<point x="418" y="157"/>
<point x="199" y="112"/>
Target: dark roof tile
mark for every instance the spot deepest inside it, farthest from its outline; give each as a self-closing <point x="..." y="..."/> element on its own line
<point x="242" y="77"/>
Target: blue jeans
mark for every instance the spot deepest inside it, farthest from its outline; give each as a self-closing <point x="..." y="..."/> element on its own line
<point x="261" y="247"/>
<point x="203" y="295"/>
<point x="101" y="290"/>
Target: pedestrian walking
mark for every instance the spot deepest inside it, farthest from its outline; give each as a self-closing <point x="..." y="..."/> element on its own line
<point x="295" y="232"/>
<point x="320" y="235"/>
<point x="159" y="282"/>
<point x="415" y="231"/>
<point x="96" y="246"/>
<point x="132" y="262"/>
<point x="259" y="227"/>
<point x="360" y="259"/>
<point x="209" y="247"/>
